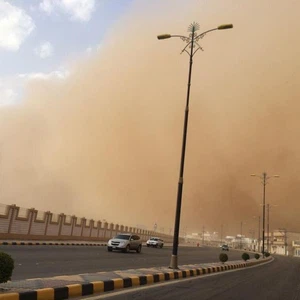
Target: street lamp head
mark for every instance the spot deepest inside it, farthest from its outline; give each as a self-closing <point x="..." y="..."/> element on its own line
<point x="164" y="36"/>
<point x="276" y="176"/>
<point x="225" y="26"/>
<point x="253" y="175"/>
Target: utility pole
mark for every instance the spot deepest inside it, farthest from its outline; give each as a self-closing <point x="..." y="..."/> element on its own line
<point x="264" y="211"/>
<point x="285" y="242"/>
<point x="268" y="227"/>
<point x="221" y="233"/>
<point x="264" y="179"/>
<point x="258" y="233"/>
<point x="269" y="206"/>
<point x="241" y="235"/>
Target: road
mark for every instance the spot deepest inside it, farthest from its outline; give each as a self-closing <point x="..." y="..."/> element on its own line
<point x="48" y="261"/>
<point x="278" y="280"/>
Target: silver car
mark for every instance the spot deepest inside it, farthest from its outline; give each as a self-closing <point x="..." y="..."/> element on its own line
<point x="155" y="242"/>
<point x="125" y="242"/>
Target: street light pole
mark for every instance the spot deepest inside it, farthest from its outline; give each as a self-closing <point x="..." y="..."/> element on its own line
<point x="192" y="42"/>
<point x="264" y="179"/>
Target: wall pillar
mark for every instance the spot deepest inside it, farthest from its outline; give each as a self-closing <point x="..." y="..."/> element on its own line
<point x="12" y="208"/>
<point x="32" y="213"/>
<point x="98" y="228"/>
<point x="83" y="222"/>
<point x="105" y="229"/>
<point x="47" y="220"/>
<point x="61" y="220"/>
<point x="91" y="226"/>
<point x="111" y="228"/>
<point x="73" y="220"/>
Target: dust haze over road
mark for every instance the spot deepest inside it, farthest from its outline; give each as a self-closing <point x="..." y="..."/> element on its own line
<point x="105" y="143"/>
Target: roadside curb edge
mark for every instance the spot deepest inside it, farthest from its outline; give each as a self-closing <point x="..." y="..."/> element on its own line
<point x="86" y="289"/>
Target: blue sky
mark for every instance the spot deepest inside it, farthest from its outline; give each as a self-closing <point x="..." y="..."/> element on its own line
<point x="38" y="37"/>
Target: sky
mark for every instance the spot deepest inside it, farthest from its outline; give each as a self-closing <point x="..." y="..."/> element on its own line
<point x="93" y="105"/>
<point x="41" y="38"/>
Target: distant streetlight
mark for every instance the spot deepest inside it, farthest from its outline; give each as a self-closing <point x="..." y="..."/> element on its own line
<point x="264" y="177"/>
<point x="192" y="43"/>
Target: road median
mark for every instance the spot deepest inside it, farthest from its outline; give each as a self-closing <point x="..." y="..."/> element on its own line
<point x="66" y="287"/>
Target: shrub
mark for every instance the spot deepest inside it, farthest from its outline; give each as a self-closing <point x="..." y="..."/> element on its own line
<point x="267" y="254"/>
<point x="256" y="255"/>
<point x="245" y="256"/>
<point x="6" y="267"/>
<point x="223" y="257"/>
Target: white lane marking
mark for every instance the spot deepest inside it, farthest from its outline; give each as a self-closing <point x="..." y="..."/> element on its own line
<point x="107" y="295"/>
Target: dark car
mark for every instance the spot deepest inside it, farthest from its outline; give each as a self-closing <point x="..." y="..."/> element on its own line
<point x="225" y="247"/>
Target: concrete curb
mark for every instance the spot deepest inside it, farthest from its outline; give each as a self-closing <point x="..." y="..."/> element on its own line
<point x="50" y="244"/>
<point x="85" y="289"/>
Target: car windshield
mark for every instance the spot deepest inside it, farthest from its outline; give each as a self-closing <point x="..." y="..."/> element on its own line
<point x="122" y="236"/>
<point x="154" y="239"/>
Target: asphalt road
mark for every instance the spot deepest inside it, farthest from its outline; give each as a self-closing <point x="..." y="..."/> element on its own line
<point x="278" y="280"/>
<point x="48" y="261"/>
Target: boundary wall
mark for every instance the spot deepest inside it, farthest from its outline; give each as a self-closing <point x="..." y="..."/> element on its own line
<point x="30" y="224"/>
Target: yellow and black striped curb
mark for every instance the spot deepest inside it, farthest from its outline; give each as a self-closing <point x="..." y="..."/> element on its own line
<point x="85" y="289"/>
<point x="51" y="243"/>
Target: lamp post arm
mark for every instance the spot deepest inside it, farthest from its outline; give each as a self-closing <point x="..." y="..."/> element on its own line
<point x="180" y="36"/>
<point x="192" y="40"/>
<point x="201" y="35"/>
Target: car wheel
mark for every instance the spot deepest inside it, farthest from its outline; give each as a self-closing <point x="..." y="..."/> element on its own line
<point x="109" y="249"/>
<point x="148" y="245"/>
<point x="139" y="249"/>
<point x="161" y="245"/>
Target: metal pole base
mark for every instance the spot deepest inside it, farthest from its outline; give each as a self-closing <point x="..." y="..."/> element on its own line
<point x="174" y="262"/>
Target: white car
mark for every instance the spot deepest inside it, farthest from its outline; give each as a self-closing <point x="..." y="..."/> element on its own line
<point x="125" y="242"/>
<point x="155" y="242"/>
